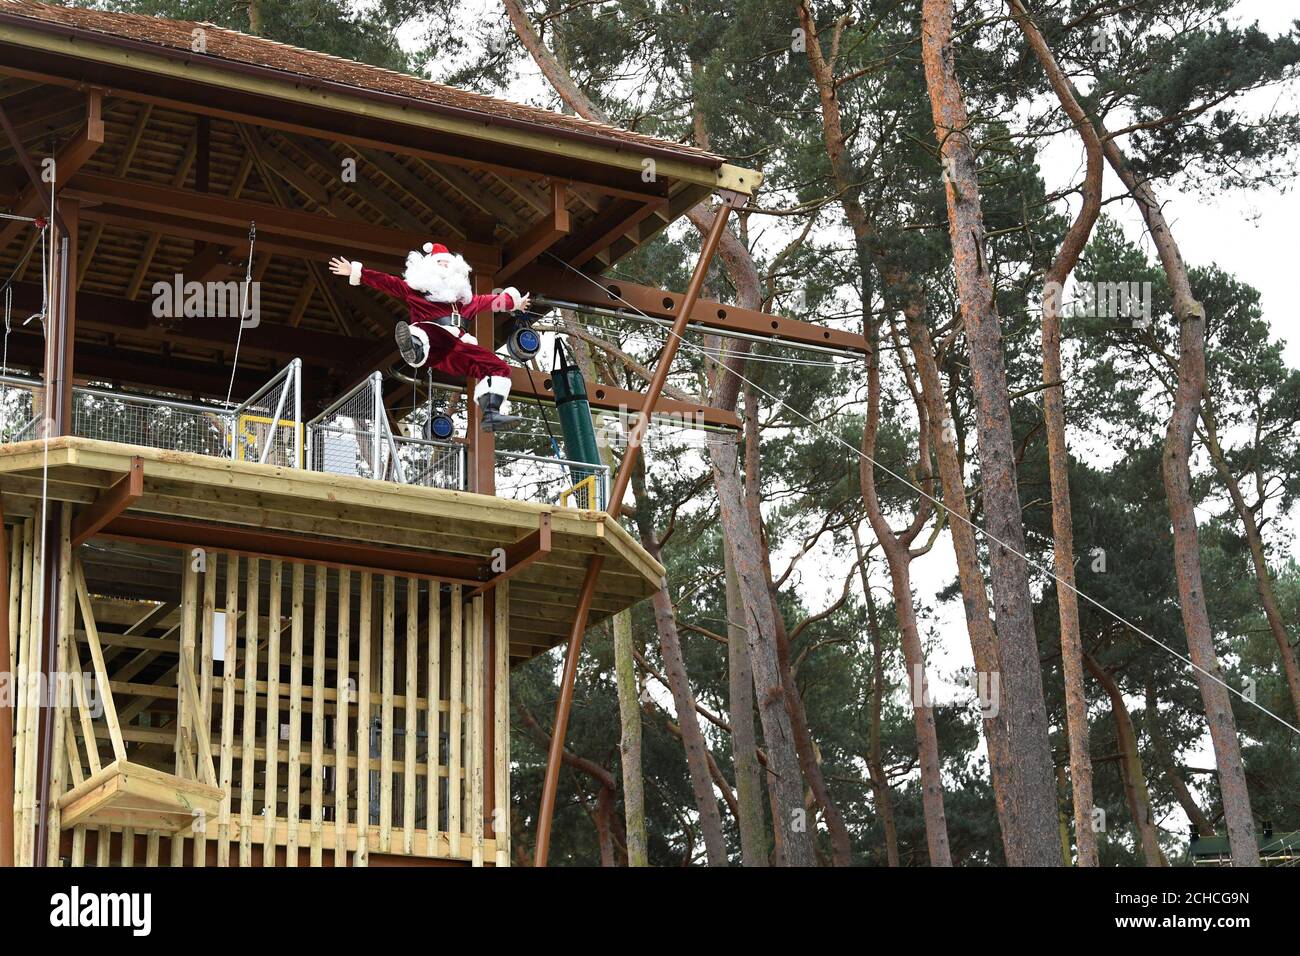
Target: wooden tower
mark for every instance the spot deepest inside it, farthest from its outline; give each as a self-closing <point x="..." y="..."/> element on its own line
<point x="247" y="621"/>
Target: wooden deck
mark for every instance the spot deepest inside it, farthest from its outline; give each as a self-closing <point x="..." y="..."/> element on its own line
<point x="408" y="529"/>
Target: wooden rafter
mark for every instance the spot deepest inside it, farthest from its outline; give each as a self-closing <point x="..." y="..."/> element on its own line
<point x="539" y="238"/>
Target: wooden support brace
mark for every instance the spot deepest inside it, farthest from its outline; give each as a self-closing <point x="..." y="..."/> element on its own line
<point x="520" y="555"/>
<point x="540" y="237"/>
<point x="109" y="504"/>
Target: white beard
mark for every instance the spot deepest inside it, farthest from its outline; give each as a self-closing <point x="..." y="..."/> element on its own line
<point x="448" y="284"/>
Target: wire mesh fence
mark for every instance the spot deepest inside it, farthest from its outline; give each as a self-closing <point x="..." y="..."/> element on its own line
<point x="152" y="422"/>
<point x="431" y="464"/>
<point x="538" y="478"/>
<point x="20" y="408"/>
<point x="268" y="427"/>
<point x="351" y="437"/>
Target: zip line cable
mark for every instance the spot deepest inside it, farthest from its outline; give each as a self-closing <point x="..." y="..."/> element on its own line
<point x="974" y="527"/>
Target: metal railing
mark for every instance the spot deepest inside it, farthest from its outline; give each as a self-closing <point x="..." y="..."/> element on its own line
<point x="266" y="429"/>
<point x="539" y="478"/>
<point x="352" y="437"/>
<point x="21" y="404"/>
<point x="153" y="422"/>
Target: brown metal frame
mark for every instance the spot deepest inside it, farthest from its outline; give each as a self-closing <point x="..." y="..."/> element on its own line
<point x="555" y="754"/>
<point x="109" y="504"/>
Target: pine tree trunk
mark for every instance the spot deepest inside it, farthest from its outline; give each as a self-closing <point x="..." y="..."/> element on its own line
<point x="1259" y="562"/>
<point x="670" y="649"/>
<point x="899" y="558"/>
<point x="1058" y="458"/>
<point x="875" y="764"/>
<point x="1170" y="771"/>
<point x="1190" y="316"/>
<point x="1135" y="781"/>
<point x="784" y="776"/>
<point x="809" y="761"/>
<point x="970" y="574"/>
<point x="744" y="748"/>
<point x="1035" y="842"/>
<point x="629" y="741"/>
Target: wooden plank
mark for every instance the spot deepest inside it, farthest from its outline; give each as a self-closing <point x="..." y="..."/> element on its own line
<point x="477" y="717"/>
<point x="455" y="784"/>
<point x="295" y="715"/>
<point x="187" y="723"/>
<point x="320" y="585"/>
<point x="411" y="738"/>
<point x="247" y="764"/>
<point x="228" y="667"/>
<point x="97" y="661"/>
<point x="271" y="788"/>
<point x="386" y="719"/>
<point x="345" y="693"/>
<point x="24" y="713"/>
<point x="363" y="720"/>
<point x="432" y="690"/>
<point x="83" y="709"/>
<point x="501" y="728"/>
<point x="209" y="629"/>
<point x="61" y="716"/>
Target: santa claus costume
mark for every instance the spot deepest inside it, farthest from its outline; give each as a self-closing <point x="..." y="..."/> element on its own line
<point x="436" y="290"/>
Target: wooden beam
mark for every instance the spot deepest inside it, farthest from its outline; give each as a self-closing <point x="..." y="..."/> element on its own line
<point x="110" y="503"/>
<point x="520" y="555"/>
<point x="540" y="237"/>
<point x="34" y="197"/>
<point x="274" y="222"/>
<point x="608" y="227"/>
<point x="298" y="548"/>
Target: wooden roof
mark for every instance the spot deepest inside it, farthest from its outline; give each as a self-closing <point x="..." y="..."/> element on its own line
<point x="328" y="157"/>
<point x="328" y="512"/>
<point x="242" y="48"/>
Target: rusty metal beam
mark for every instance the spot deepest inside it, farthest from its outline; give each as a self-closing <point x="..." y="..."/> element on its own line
<point x="555" y="753"/>
<point x="557" y="282"/>
<point x="110" y="503"/>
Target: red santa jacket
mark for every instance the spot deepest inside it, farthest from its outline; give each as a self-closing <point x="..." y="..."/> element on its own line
<point x="423" y="310"/>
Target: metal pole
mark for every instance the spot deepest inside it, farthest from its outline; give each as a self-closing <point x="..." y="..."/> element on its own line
<point x="298" y="412"/>
<point x="551" y="783"/>
<point x="377" y="413"/>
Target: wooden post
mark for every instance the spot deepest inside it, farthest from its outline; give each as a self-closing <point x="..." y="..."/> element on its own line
<point x="6" y="709"/>
<point x="615" y="506"/>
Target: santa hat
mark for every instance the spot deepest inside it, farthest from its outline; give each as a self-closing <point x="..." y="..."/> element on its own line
<point x="435" y="249"/>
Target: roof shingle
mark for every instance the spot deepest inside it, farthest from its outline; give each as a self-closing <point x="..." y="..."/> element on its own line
<point x="231" y="45"/>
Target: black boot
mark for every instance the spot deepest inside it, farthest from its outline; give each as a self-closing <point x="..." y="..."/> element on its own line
<point x="411" y="347"/>
<point x="495" y="420"/>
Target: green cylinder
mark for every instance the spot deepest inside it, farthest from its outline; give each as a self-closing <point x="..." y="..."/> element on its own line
<point x="575" y="414"/>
